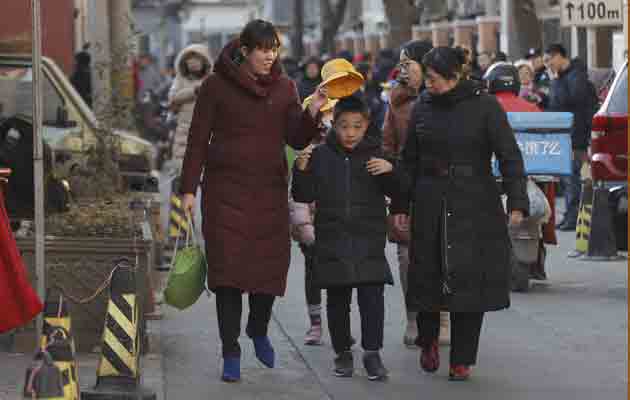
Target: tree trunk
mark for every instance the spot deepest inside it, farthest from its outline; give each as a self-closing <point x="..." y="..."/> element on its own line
<point x="525" y="30"/>
<point x="402" y="15"/>
<point x="297" y="43"/>
<point x="331" y="21"/>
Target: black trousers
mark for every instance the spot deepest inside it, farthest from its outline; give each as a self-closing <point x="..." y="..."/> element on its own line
<point x="313" y="294"/>
<point x="465" y="332"/>
<point x="229" y="311"/>
<point x="372" y="309"/>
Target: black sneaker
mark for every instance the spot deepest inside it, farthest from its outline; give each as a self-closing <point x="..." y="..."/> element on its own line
<point x="344" y="365"/>
<point x="374" y="366"/>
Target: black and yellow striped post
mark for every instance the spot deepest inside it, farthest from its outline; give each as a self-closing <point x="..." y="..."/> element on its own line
<point x="118" y="373"/>
<point x="178" y="223"/>
<point x="583" y="228"/>
<point x="602" y="241"/>
<point x="177" y="228"/>
<point x="43" y="379"/>
<point x="60" y="346"/>
<point x="58" y="341"/>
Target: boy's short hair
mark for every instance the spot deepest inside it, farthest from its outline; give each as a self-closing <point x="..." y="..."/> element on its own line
<point x="351" y="104"/>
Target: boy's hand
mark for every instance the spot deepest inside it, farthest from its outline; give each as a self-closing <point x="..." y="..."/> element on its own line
<point x="188" y="203"/>
<point x="320" y="97"/>
<point x="301" y="162"/>
<point x="516" y="218"/>
<point x="378" y="166"/>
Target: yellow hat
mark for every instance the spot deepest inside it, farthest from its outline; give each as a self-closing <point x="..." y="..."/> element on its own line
<point x="340" y="78"/>
<point x="329" y="105"/>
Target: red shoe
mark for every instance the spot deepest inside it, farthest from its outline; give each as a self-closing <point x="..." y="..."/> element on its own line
<point x="430" y="357"/>
<point x="459" y="373"/>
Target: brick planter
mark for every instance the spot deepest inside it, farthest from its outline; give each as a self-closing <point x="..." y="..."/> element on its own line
<point x="79" y="266"/>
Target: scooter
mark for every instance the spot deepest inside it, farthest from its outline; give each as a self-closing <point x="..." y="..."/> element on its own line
<point x="527" y="239"/>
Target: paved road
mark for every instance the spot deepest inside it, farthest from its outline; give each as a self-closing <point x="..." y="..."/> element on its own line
<point x="566" y="339"/>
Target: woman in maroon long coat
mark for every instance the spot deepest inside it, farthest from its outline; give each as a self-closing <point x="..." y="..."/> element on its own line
<point x="246" y="113"/>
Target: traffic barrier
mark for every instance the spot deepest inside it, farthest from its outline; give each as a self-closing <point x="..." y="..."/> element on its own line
<point x="43" y="379"/>
<point x="602" y="242"/>
<point x="118" y="373"/>
<point x="177" y="227"/>
<point x="583" y="228"/>
<point x="58" y="341"/>
<point x="60" y="347"/>
<point x="178" y="223"/>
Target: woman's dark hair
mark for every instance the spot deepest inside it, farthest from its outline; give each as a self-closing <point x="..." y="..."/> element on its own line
<point x="351" y="104"/>
<point x="259" y="34"/>
<point x="417" y="49"/>
<point x="445" y="61"/>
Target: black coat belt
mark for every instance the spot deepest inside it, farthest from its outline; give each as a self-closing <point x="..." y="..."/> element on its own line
<point x="452" y="170"/>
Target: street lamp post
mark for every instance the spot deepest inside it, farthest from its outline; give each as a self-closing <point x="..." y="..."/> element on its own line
<point x="38" y="159"/>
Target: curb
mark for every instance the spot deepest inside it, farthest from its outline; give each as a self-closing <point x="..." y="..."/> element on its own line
<point x="152" y="363"/>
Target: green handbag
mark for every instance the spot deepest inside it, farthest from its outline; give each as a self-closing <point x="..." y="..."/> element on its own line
<point x="187" y="277"/>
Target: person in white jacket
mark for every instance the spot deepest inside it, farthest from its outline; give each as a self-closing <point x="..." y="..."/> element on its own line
<point x="193" y="64"/>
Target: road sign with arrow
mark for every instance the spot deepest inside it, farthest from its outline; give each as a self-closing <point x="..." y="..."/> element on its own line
<point x="591" y="13"/>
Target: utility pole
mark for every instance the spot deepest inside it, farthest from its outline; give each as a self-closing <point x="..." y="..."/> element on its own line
<point x="298" y="29"/>
<point x="38" y="159"/>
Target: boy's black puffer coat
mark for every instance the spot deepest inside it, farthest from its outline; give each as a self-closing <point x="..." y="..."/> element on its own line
<point x="350" y="219"/>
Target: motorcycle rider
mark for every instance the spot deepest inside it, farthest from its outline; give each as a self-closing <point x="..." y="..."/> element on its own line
<point x="503" y="81"/>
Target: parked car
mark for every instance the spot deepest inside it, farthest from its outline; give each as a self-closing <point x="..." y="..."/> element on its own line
<point x="609" y="135"/>
<point x="609" y="153"/>
<point x="69" y="125"/>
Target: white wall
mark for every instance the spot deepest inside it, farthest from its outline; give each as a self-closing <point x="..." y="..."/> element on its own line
<point x="217" y="19"/>
<point x="373" y="13"/>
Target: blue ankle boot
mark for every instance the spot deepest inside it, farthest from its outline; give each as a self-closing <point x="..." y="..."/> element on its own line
<point x="264" y="351"/>
<point x="231" y="369"/>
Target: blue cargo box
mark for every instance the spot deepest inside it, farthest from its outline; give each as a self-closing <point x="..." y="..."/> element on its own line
<point x="545" y="142"/>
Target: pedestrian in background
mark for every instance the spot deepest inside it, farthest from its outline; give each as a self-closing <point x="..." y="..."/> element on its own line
<point x="149" y="77"/>
<point x="529" y="91"/>
<point x="460" y="244"/>
<point x="541" y="77"/>
<point x="371" y="93"/>
<point x="192" y="66"/>
<point x="246" y="113"/>
<point x="301" y="217"/>
<point x="485" y="60"/>
<point x="348" y="179"/>
<point x="311" y="78"/>
<point x="395" y="130"/>
<point x="571" y="91"/>
<point x="82" y="76"/>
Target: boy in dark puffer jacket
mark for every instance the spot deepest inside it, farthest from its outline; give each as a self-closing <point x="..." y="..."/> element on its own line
<point x="348" y="179"/>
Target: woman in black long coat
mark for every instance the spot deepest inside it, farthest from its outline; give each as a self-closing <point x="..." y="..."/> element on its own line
<point x="460" y="250"/>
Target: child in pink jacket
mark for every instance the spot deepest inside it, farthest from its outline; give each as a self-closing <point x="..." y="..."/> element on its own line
<point x="301" y="217"/>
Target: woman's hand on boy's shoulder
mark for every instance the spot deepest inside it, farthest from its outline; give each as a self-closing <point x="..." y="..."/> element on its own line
<point x="303" y="157"/>
<point x="379" y="166"/>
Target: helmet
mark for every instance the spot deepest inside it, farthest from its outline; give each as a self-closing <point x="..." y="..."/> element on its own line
<point x="502" y="77"/>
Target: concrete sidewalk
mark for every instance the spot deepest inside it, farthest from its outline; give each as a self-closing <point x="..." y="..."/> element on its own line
<point x="13" y="368"/>
<point x="192" y="361"/>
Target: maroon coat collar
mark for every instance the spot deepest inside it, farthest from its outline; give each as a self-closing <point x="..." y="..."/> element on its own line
<point x="228" y="66"/>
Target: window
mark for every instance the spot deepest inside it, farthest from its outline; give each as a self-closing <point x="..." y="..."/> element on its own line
<point x="619" y="96"/>
<point x="16" y="96"/>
